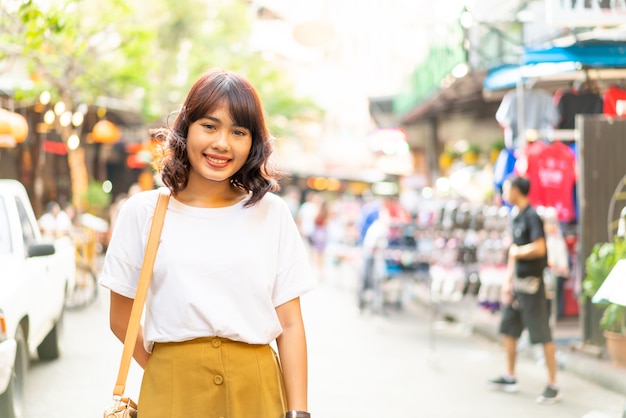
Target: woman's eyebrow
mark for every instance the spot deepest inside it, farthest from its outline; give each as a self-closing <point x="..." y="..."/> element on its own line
<point x="212" y="118"/>
<point x="217" y="120"/>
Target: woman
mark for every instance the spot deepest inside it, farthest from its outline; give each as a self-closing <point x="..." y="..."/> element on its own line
<point x="230" y="268"/>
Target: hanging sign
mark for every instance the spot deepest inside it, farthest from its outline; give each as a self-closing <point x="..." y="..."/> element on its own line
<point x="576" y="13"/>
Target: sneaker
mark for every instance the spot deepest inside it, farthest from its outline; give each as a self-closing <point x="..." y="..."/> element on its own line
<point x="549" y="396"/>
<point x="503" y="384"/>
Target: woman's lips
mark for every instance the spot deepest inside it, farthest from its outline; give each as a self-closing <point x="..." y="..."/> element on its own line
<point x="215" y="161"/>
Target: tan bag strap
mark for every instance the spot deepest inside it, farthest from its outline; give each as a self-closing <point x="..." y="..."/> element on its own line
<point x="142" y="290"/>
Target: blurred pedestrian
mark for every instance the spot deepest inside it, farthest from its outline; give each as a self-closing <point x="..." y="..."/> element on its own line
<point x="230" y="268"/>
<point x="368" y="214"/>
<point x="292" y="198"/>
<point x="55" y="223"/>
<point x="307" y="214"/>
<point x="524" y="293"/>
<point x="319" y="238"/>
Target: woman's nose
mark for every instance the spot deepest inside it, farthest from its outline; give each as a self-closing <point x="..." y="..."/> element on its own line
<point x="221" y="140"/>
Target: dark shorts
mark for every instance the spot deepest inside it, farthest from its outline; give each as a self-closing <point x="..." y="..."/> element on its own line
<point x="527" y="311"/>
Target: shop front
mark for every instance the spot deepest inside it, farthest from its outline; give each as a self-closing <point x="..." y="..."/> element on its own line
<point x="582" y="85"/>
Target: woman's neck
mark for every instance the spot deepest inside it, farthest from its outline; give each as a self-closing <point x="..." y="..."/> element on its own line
<point x="216" y="196"/>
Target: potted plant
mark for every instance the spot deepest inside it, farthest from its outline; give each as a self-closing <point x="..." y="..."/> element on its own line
<point x="471" y="154"/>
<point x="447" y="157"/>
<point x="494" y="150"/>
<point x="598" y="265"/>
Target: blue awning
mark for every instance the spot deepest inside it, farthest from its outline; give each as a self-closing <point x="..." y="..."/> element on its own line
<point x="587" y="54"/>
<point x="545" y="62"/>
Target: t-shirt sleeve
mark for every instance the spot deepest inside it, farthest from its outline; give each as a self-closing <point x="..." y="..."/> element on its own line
<point x="295" y="275"/>
<point x="124" y="255"/>
<point x="506" y="114"/>
<point x="535" y="228"/>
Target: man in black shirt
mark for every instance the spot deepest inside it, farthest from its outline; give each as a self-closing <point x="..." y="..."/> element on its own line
<point x="523" y="291"/>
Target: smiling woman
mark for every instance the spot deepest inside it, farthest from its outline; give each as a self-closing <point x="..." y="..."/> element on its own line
<point x="230" y="269"/>
<point x="222" y="115"/>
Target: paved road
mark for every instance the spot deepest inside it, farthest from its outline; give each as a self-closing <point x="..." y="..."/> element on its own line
<point x="407" y="365"/>
<point x="361" y="366"/>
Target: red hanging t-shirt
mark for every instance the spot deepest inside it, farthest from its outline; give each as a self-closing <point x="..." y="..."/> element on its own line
<point x="611" y="96"/>
<point x="551" y="171"/>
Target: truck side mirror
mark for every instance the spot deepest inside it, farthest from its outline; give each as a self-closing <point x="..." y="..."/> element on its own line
<point x="39" y="250"/>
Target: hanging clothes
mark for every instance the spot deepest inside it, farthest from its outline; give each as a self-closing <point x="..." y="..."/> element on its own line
<point x="551" y="170"/>
<point x="540" y="113"/>
<point x="582" y="102"/>
<point x="504" y="167"/>
<point x="612" y="95"/>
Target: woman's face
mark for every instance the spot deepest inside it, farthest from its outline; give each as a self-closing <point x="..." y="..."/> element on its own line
<point x="216" y="147"/>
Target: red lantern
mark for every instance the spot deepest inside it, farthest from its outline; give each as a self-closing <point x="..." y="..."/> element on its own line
<point x="105" y="132"/>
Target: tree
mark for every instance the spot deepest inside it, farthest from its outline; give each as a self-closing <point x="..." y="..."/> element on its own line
<point x="77" y="51"/>
<point x="142" y="51"/>
<point x="195" y="35"/>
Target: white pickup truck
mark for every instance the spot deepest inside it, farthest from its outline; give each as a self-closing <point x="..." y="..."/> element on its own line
<point x="35" y="276"/>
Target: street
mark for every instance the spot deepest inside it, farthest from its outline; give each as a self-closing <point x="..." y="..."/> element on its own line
<point x="361" y="365"/>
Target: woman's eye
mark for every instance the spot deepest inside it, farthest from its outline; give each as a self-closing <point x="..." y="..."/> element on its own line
<point x="240" y="133"/>
<point x="208" y="126"/>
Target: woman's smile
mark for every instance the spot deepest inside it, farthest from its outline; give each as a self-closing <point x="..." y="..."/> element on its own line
<point x="216" y="161"/>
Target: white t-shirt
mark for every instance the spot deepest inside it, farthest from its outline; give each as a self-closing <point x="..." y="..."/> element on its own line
<point x="219" y="271"/>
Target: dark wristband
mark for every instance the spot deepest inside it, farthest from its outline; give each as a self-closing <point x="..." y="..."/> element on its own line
<point x="297" y="414"/>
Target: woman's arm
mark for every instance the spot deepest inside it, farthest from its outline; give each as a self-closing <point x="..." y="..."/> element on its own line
<point x="293" y="354"/>
<point x="119" y="314"/>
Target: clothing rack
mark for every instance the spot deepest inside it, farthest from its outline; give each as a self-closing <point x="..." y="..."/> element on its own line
<point x="552" y="134"/>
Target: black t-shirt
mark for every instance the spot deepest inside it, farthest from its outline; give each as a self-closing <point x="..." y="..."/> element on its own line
<point x="527" y="228"/>
<point x="572" y="104"/>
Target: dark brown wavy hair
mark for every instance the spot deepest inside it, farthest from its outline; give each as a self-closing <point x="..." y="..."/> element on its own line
<point x="215" y="88"/>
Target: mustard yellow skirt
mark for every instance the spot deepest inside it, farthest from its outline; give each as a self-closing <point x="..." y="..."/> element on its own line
<point x="212" y="378"/>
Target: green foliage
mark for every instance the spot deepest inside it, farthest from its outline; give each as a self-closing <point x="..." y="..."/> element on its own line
<point x="598" y="265"/>
<point x="78" y="50"/>
<point x="497" y="145"/>
<point x="613" y="319"/>
<point x="191" y="43"/>
<point x="96" y="200"/>
<point x="147" y="52"/>
<point x="451" y="152"/>
<point x="473" y="147"/>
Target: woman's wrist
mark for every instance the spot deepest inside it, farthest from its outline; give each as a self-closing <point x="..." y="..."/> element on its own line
<point x="297" y="414"/>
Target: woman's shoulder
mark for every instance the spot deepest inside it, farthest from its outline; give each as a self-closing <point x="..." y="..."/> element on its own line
<point x="141" y="202"/>
<point x="144" y="197"/>
<point x="271" y="204"/>
<point x="272" y="200"/>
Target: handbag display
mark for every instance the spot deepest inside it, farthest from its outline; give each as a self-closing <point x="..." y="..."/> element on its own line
<point x="124" y="407"/>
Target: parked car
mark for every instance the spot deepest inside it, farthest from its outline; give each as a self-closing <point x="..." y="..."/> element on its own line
<point x="36" y="276"/>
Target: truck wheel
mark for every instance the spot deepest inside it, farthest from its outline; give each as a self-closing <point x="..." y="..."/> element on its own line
<point x="50" y="348"/>
<point x="12" y="400"/>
